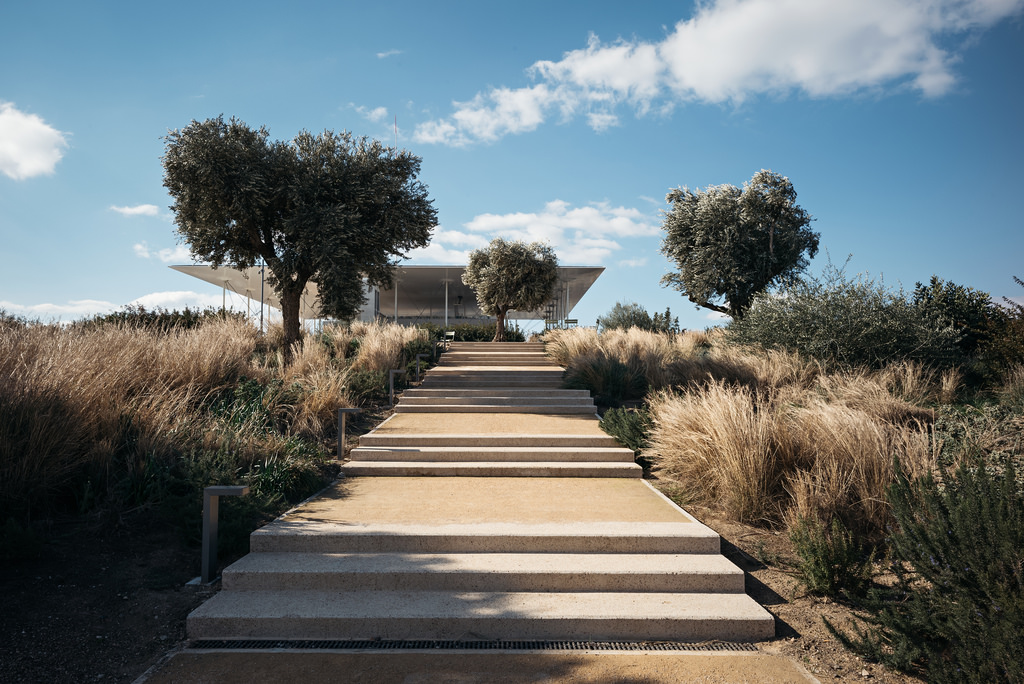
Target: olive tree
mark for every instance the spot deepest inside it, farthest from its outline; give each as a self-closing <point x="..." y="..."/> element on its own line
<point x="729" y="243"/>
<point x="330" y="208"/>
<point x="511" y="275"/>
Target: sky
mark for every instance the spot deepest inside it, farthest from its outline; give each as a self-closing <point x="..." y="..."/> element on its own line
<point x="897" y="121"/>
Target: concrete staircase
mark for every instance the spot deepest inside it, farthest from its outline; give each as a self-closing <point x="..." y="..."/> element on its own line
<point x="444" y="550"/>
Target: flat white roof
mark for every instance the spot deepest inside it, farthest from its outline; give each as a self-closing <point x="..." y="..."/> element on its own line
<point x="421" y="290"/>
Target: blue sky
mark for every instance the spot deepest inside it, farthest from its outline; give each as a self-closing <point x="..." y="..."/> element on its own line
<point x="898" y="122"/>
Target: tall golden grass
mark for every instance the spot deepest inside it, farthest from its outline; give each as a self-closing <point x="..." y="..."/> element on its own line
<point x="78" y="403"/>
<point x="816" y="448"/>
<point x="766" y="436"/>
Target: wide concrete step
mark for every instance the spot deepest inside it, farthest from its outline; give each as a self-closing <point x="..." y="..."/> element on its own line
<point x="558" y="409"/>
<point x="553" y="572"/>
<point x="510" y="392"/>
<point x="471" y="383"/>
<point x="490" y="469"/>
<point x="390" y="439"/>
<point x="475" y="453"/>
<point x="480" y="615"/>
<point x="486" y="346"/>
<point x="592" y="537"/>
<point x="480" y="400"/>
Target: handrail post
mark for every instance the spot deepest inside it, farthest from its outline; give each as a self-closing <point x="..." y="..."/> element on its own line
<point x="211" y="515"/>
<point x="391" y="381"/>
<point x="418" y="357"/>
<point x="342" y="413"/>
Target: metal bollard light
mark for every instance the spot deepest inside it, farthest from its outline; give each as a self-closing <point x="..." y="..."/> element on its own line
<point x="342" y="412"/>
<point x="211" y="514"/>
<point x="391" y="381"/>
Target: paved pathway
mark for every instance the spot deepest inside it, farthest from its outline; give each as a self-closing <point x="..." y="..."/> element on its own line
<point x="490" y="507"/>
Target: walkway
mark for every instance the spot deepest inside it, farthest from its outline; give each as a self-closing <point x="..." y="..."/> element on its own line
<point x="490" y="508"/>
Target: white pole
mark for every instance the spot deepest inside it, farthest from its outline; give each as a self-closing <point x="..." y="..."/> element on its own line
<point x="445" y="303"/>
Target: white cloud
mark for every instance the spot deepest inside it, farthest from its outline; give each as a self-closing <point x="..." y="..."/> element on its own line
<point x="28" y="145"/>
<point x="179" y="299"/>
<point x="388" y="53"/>
<point x="437" y="253"/>
<point x="579" y="235"/>
<point x="732" y="50"/>
<point x="137" y="210"/>
<point x="168" y="255"/>
<point x="633" y="263"/>
<point x="376" y="115"/>
<point x="75" y="308"/>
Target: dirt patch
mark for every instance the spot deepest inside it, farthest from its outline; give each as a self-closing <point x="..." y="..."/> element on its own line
<point x="98" y="605"/>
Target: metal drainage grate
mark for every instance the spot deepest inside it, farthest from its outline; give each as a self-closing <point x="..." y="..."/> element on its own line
<point x="429" y="644"/>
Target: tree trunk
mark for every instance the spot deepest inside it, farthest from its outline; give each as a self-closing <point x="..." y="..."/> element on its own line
<point x="290" y="299"/>
<point x="499" y="326"/>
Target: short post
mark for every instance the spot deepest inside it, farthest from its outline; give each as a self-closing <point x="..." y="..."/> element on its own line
<point x="211" y="513"/>
<point x="342" y="413"/>
<point x="391" y="381"/>
<point x="418" y="357"/>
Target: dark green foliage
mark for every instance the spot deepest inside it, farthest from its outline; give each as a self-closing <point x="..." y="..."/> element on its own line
<point x="1004" y="348"/>
<point x="162" y="320"/>
<point x="630" y="426"/>
<point x="631" y="315"/>
<point x="846" y="321"/>
<point x="610" y="381"/>
<point x="730" y="244"/>
<point x="829" y="561"/>
<point x="956" y="613"/>
<point x="367" y="386"/>
<point x="473" y="332"/>
<point x="330" y="208"/>
<point x="663" y="322"/>
<point x="507" y="275"/>
<point x="625" y="316"/>
<point x="966" y="310"/>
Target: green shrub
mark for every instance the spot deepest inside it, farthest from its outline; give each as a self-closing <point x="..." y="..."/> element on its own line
<point x="956" y="613"/>
<point x="473" y="332"/>
<point x="367" y="386"/>
<point x="138" y="316"/>
<point x="847" y="321"/>
<point x="630" y="426"/>
<point x="829" y="561"/>
<point x="632" y="315"/>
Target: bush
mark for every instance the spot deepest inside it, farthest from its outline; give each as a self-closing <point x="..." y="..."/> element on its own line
<point x="159" y="319"/>
<point x="849" y="322"/>
<point x="956" y="613"/>
<point x="630" y="426"/>
<point x="624" y="316"/>
<point x="473" y="332"/>
<point x="829" y="561"/>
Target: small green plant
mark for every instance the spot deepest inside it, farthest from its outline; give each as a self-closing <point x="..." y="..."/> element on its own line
<point x="829" y="560"/>
<point x="956" y="613"/>
<point x="630" y="426"/>
<point x="367" y="386"/>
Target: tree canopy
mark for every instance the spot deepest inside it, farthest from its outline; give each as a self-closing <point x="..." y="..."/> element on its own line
<point x="511" y="275"/>
<point x="729" y="243"/>
<point x="330" y="208"/>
